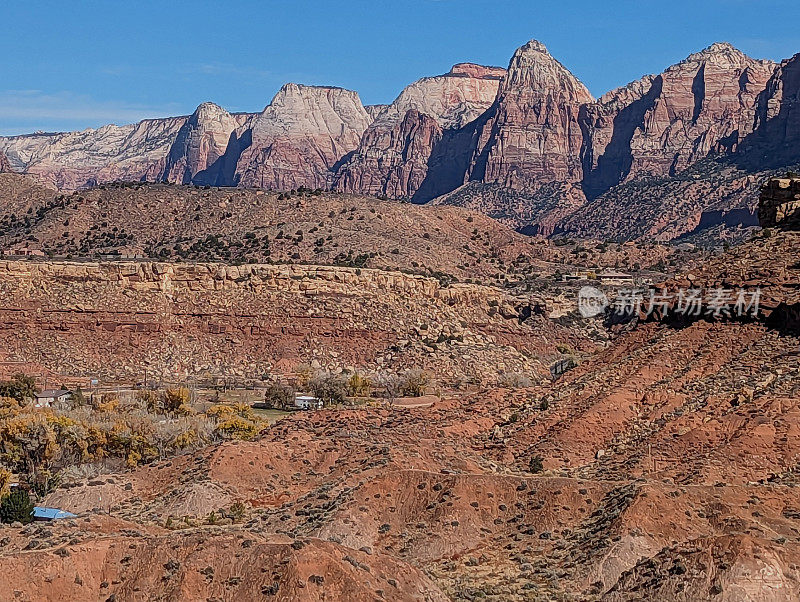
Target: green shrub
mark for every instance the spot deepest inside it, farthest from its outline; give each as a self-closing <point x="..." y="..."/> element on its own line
<point x="16" y="507"/>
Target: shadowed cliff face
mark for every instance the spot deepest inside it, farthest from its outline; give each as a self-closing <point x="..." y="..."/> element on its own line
<point x="775" y="140"/>
<point x="416" y="147"/>
<point x="201" y="141"/>
<point x="660" y="125"/>
<point x="5" y="166"/>
<point x="532" y="135"/>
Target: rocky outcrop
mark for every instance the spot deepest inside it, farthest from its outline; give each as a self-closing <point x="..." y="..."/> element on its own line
<point x="201" y="141"/>
<point x="776" y="136"/>
<point x="779" y="203"/>
<point x="662" y="124"/>
<point x="116" y="319"/>
<point x="298" y="139"/>
<point x="72" y="160"/>
<point x="5" y="166"/>
<point x="374" y="110"/>
<point x="532" y="135"/>
<point x="420" y="130"/>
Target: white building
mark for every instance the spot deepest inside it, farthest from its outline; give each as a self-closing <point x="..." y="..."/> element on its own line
<point x="52" y="397"/>
<point x="307" y="402"/>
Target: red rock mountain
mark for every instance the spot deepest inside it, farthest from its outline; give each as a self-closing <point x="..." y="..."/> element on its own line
<point x="528" y="145"/>
<point x="777" y="121"/>
<point x="201" y="141"/>
<point x="74" y="160"/>
<point x="395" y="154"/>
<point x="532" y="134"/>
<point x="298" y="139"/>
<point x="662" y="124"/>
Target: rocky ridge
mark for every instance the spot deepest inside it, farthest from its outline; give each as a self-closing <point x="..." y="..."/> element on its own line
<point x="209" y="320"/>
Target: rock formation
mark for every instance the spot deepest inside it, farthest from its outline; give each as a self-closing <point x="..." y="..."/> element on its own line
<point x="776" y="136"/>
<point x="779" y="204"/>
<point x="662" y="124"/>
<point x="532" y="135"/>
<point x="400" y="146"/>
<point x="117" y="319"/>
<point x="201" y="141"/>
<point x="5" y="166"/>
<point x="527" y="145"/>
<point x="72" y="160"/>
<point x="298" y="139"/>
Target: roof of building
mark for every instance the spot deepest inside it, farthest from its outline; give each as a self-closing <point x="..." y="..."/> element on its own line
<point x="52" y="393"/>
<point x="51" y="513"/>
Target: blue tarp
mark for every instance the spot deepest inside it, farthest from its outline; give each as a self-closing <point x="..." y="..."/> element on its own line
<point x="41" y="513"/>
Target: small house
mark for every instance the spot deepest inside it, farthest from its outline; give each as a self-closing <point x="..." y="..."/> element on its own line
<point x="307" y="402"/>
<point x="52" y="397"/>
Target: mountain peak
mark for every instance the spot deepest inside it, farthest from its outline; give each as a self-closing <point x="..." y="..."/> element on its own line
<point x="532" y="67"/>
<point x="534" y="46"/>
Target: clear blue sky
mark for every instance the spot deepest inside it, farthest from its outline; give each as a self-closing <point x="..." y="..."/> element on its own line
<point x="71" y="64"/>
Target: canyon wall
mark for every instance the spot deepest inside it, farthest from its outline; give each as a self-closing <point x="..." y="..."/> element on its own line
<point x="117" y="320"/>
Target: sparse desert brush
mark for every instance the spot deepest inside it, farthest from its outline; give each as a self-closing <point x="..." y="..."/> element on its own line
<point x="415" y="383"/>
<point x="38" y="441"/>
<point x="358" y="385"/>
<point x="514" y="380"/>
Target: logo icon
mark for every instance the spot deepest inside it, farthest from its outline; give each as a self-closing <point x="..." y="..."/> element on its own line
<point x="591" y="302"/>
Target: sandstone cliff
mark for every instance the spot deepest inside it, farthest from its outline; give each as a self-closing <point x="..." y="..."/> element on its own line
<point x="118" y="319"/>
<point x="298" y="139"/>
<point x="135" y="152"/>
<point x="532" y="135"/>
<point x="414" y="142"/>
<point x="779" y="203"/>
<point x="662" y="124"/>
<point x="200" y="142"/>
<point x="776" y="135"/>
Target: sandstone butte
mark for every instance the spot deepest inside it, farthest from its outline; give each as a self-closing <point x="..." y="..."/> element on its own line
<point x="528" y="144"/>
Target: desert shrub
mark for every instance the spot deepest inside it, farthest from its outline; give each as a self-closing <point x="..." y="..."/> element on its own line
<point x="77" y="398"/>
<point x="176" y="401"/>
<point x="391" y="385"/>
<point x="328" y="388"/>
<point x="415" y="383"/>
<point x="237" y="428"/>
<point x="150" y="399"/>
<point x="279" y="396"/>
<point x="358" y="386"/>
<point x="44" y="482"/>
<point x="535" y="465"/>
<point x="303" y="375"/>
<point x="21" y="388"/>
<point x="514" y="380"/>
<point x="236" y="511"/>
<point x="16" y="507"/>
<point x="5" y="480"/>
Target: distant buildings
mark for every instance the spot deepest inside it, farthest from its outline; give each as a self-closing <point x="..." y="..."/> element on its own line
<point x="23" y="253"/>
<point x="606" y="277"/>
<point x="52" y="397"/>
<point x="307" y="402"/>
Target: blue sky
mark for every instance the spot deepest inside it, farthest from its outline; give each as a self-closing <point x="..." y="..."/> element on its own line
<point x="72" y="64"/>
